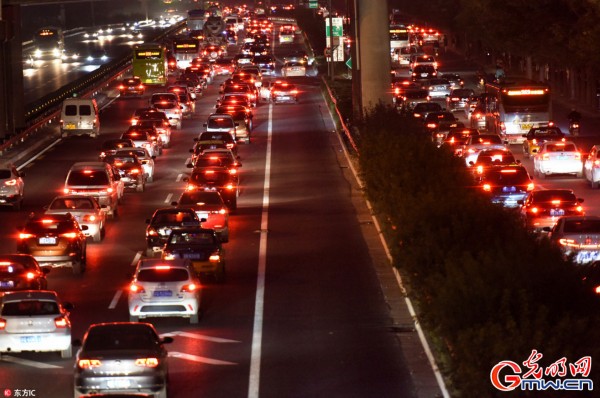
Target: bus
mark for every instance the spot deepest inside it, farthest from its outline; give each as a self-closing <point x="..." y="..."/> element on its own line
<point x="513" y="106"/>
<point x="150" y="63"/>
<point x="185" y="50"/>
<point x="399" y="37"/>
<point x="48" y="43"/>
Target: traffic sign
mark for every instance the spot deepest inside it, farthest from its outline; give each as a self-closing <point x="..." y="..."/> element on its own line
<point x="313" y="4"/>
<point x="349" y="63"/>
<point x="338" y="29"/>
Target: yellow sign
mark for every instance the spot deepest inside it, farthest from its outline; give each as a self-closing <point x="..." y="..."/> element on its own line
<point x="526" y="91"/>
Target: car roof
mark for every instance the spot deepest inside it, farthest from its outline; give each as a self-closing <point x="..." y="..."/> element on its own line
<point x="47" y="295"/>
<point x="146" y="263"/>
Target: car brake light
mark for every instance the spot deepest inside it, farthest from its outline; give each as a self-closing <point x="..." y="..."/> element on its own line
<point x="556" y="202"/>
<point x="223" y="211"/>
<point x="89" y="363"/>
<point x="61" y="322"/>
<point x="534" y="210"/>
<point x="151" y="232"/>
<point x="121" y="87"/>
<point x="577" y="156"/>
<point x="530" y="186"/>
<point x="30" y="276"/>
<point x="546" y="156"/>
<point x="534" y="141"/>
<point x="135" y="288"/>
<point x="189" y="288"/>
<point x="70" y="235"/>
<point x="214" y="257"/>
<point x="487" y="187"/>
<point x="25" y="235"/>
<point x="89" y="218"/>
<point x="11" y="182"/>
<point x="229" y="187"/>
<point x="232" y="171"/>
<point x="579" y="209"/>
<point x="2" y="323"/>
<point x="147" y="362"/>
<point x="109" y="190"/>
<point x="135" y="171"/>
<point x="431" y="125"/>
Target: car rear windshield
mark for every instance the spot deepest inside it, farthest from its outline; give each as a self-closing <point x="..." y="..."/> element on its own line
<point x="211" y="177"/>
<point x="220" y="136"/>
<point x="176" y="217"/>
<point x="582" y="227"/>
<point x="549" y="195"/>
<point x="428" y="106"/>
<point x="163" y="275"/>
<point x="44" y="226"/>
<point x="72" y="204"/>
<point x="503" y="177"/>
<point x="220" y="122"/>
<point x="30" y="308"/>
<point x="191" y="238"/>
<point x="88" y="177"/>
<point x="462" y="93"/>
<point x="119" y="338"/>
<point x="9" y="269"/>
<point x="561" y="148"/>
<point x="192" y="198"/>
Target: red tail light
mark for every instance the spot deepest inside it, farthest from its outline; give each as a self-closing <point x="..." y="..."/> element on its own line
<point x="70" y="235"/>
<point x="135" y="288"/>
<point x="25" y="235"/>
<point x="11" y="183"/>
<point x="189" y="288"/>
<point x="61" y="322"/>
<point x="89" y="363"/>
<point x="147" y="362"/>
<point x="2" y="323"/>
<point x="89" y="218"/>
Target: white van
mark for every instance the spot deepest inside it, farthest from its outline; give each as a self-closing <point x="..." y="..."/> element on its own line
<point x="79" y="116"/>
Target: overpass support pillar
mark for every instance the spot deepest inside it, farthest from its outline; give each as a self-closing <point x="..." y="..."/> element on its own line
<point x="374" y="52"/>
<point x="12" y="109"/>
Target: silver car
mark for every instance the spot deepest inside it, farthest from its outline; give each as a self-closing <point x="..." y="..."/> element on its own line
<point x="164" y="289"/>
<point x="438" y="87"/>
<point x="36" y="321"/>
<point x="578" y="236"/>
<point x="144" y="156"/>
<point x="86" y="211"/>
<point x="122" y="357"/>
<point x="11" y="186"/>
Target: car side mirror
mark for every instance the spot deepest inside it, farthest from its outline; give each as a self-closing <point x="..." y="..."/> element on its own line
<point x="189" y="166"/>
<point x="166" y="340"/>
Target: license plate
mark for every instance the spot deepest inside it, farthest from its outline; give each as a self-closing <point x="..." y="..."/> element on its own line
<point x="7" y="284"/>
<point x="285" y="97"/>
<point x="193" y="256"/>
<point x="47" y="241"/>
<point x="423" y="74"/>
<point x="30" y="339"/>
<point x="163" y="293"/>
<point x="584" y="257"/>
<point x="70" y="126"/>
<point x="202" y="215"/>
<point x="118" y="383"/>
<point x="557" y="212"/>
<point x="131" y="88"/>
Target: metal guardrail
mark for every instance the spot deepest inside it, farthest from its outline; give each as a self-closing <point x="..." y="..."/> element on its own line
<point x="345" y="128"/>
<point x="43" y="111"/>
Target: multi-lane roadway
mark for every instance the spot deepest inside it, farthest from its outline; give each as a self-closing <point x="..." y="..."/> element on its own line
<point x="301" y="313"/>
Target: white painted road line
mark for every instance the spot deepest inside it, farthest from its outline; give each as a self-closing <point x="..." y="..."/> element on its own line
<point x="188" y="161"/>
<point x="39" y="154"/>
<point x="196" y="358"/>
<point x="179" y="177"/>
<point x="168" y="199"/>
<point x="26" y="362"/>
<point x="115" y="300"/>
<point x="136" y="258"/>
<point x="200" y="337"/>
<point x="254" y="383"/>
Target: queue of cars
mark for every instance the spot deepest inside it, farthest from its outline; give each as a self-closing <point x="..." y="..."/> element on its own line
<point x="184" y="242"/>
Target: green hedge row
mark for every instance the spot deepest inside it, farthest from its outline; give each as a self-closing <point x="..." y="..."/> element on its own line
<point x="486" y="290"/>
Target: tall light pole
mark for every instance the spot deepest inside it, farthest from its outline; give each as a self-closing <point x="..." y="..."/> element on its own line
<point x="331" y="50"/>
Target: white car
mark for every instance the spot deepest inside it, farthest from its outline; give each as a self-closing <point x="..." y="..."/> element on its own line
<point x="11" y="186"/>
<point x="557" y="157"/>
<point x="141" y="139"/>
<point x="591" y="167"/>
<point x="144" y="156"/>
<point x="35" y="320"/>
<point x="578" y="236"/>
<point x="477" y="143"/>
<point x="86" y="211"/>
<point x="438" y="88"/>
<point x="164" y="288"/>
<point x="293" y="68"/>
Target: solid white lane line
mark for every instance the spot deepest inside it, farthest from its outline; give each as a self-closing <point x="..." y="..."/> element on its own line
<point x="196" y="358"/>
<point x="200" y="337"/>
<point x="136" y="258"/>
<point x="26" y="362"/>
<point x="253" y="387"/>
<point x="179" y="177"/>
<point x="115" y="300"/>
<point x="188" y="161"/>
<point x="169" y="197"/>
<point x="39" y="154"/>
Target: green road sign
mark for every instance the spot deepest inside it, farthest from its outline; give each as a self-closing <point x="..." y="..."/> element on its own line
<point x="338" y="29"/>
<point x="313" y="4"/>
<point x="349" y="63"/>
